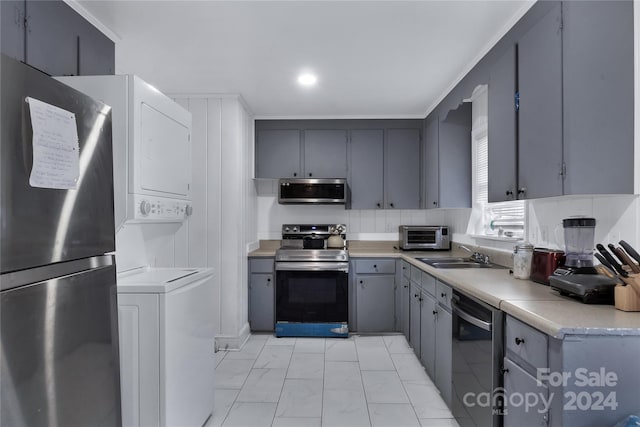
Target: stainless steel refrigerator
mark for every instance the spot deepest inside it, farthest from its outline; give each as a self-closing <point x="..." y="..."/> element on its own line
<point x="58" y="308"/>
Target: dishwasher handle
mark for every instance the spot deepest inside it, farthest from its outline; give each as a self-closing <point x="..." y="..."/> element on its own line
<point x="487" y="326"/>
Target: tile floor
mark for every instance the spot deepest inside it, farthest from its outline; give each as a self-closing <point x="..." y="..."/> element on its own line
<point x="359" y="381"/>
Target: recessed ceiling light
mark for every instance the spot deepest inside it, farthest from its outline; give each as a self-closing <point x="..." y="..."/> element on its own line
<point x="307" y="79"/>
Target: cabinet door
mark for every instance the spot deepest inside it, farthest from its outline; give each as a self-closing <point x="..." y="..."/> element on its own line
<point x="96" y="52"/>
<point x="431" y="163"/>
<point x="406" y="295"/>
<point x="540" y="113"/>
<point x="366" y="168"/>
<point x="52" y="37"/>
<point x="454" y="155"/>
<point x="428" y="334"/>
<point x="374" y="306"/>
<point x="502" y="128"/>
<point x="402" y="169"/>
<point x="12" y="28"/>
<point x="278" y="153"/>
<point x="261" y="302"/>
<point x="516" y="380"/>
<point x="443" y="353"/>
<point x="325" y="153"/>
<point x="597" y="38"/>
<point x="414" y="314"/>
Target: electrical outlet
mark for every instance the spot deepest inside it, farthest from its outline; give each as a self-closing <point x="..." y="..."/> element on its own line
<point x="544" y="234"/>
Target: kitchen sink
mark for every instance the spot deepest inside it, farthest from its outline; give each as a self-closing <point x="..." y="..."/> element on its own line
<point x="456" y="263"/>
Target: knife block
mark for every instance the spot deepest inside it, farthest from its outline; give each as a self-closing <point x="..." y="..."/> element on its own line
<point x="627" y="298"/>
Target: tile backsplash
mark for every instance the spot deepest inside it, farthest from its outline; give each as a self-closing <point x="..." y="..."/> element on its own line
<point x="617" y="217"/>
<point x="361" y="224"/>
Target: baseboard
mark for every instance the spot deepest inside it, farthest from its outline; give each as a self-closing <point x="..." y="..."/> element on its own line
<point x="228" y="342"/>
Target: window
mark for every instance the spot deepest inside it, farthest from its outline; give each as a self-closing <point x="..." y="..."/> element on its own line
<point x="504" y="219"/>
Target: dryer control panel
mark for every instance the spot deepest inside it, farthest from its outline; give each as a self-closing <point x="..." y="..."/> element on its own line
<point x="158" y="209"/>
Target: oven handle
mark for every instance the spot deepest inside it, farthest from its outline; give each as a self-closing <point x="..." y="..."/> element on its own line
<point x="313" y="266"/>
<point x="487" y="326"/>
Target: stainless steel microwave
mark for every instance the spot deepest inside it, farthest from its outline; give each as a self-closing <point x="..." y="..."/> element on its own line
<point x="319" y="191"/>
<point x="425" y="237"/>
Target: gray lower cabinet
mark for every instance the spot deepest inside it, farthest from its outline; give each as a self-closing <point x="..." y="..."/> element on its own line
<point x="261" y="294"/>
<point x="443" y="372"/>
<point x="366" y="168"/>
<point x="588" y="380"/>
<point x="403" y="317"/>
<point x="374" y="303"/>
<point x="415" y="315"/>
<point x="428" y="312"/>
<point x="374" y="284"/>
<point x="278" y="153"/>
<point x="519" y="382"/>
<point x="402" y="169"/>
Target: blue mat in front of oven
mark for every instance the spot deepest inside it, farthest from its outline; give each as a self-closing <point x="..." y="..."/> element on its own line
<point x="328" y="330"/>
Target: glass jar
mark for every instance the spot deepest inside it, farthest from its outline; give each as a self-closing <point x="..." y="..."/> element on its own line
<point x="522" y="256"/>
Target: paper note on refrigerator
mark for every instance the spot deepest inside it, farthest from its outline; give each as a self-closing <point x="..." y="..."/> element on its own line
<point x="56" y="153"/>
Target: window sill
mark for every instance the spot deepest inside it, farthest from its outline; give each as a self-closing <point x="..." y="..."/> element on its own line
<point x="495" y="238"/>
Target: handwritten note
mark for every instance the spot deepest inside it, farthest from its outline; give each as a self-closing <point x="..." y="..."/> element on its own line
<point x="56" y="153"/>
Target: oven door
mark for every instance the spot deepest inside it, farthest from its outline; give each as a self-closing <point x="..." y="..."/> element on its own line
<point x="312" y="299"/>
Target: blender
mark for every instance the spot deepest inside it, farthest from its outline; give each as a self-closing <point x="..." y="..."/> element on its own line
<point x="578" y="277"/>
<point x="579" y="234"/>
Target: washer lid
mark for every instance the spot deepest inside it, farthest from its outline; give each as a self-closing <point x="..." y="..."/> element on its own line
<point x="156" y="275"/>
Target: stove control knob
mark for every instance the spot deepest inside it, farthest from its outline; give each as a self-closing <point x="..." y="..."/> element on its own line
<point x="286" y="229"/>
<point x="145" y="208"/>
<point x="295" y="229"/>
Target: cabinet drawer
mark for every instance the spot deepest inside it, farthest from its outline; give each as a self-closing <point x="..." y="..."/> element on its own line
<point x="373" y="266"/>
<point x="261" y="265"/>
<point x="429" y="283"/>
<point x="526" y="345"/>
<point x="416" y="275"/>
<point x="406" y="269"/>
<point x="443" y="294"/>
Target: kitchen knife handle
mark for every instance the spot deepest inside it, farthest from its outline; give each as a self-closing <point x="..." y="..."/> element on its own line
<point x="616" y="266"/>
<point x="622" y="255"/>
<point x="606" y="263"/>
<point x="629" y="249"/>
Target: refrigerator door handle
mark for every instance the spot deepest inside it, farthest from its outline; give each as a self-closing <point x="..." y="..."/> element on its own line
<point x="19" y="278"/>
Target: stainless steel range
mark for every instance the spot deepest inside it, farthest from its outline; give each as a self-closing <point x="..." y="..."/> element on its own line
<point x="312" y="297"/>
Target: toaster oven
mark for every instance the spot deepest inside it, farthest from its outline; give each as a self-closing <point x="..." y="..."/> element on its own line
<point x="424" y="237"/>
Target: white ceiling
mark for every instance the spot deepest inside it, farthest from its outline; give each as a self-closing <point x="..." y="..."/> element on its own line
<point x="372" y="58"/>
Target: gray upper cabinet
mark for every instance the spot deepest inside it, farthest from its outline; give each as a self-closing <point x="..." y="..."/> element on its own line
<point x="96" y="52"/>
<point x="278" y="154"/>
<point x="502" y="128"/>
<point x="525" y="114"/>
<point x="598" y="97"/>
<point x="52" y="37"/>
<point x="12" y="14"/>
<point x="402" y="169"/>
<point x="325" y="153"/>
<point x="431" y="163"/>
<point x="454" y="154"/>
<point x="366" y="156"/>
<point x="540" y="113"/>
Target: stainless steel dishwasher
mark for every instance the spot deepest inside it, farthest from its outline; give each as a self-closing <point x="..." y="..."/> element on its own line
<point x="477" y="350"/>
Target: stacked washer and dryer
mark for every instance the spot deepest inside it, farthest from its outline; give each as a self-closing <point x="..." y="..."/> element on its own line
<point x="166" y="316"/>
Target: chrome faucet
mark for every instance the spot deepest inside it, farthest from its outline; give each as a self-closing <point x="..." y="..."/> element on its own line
<point x="476" y="256"/>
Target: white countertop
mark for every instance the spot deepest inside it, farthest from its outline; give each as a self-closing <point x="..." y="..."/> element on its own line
<point x="535" y="304"/>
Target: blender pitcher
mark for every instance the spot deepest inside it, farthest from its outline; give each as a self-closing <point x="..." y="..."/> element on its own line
<point x="579" y="234"/>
